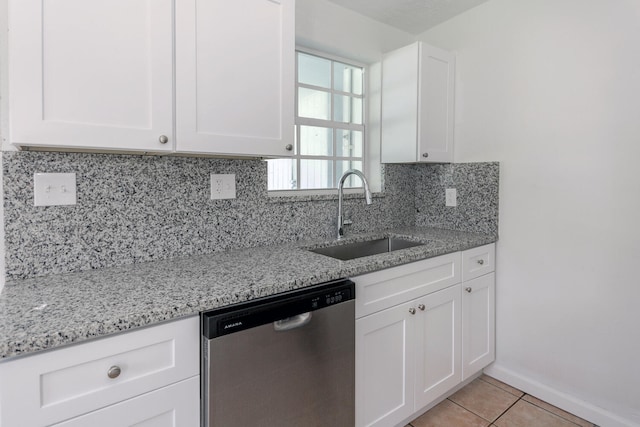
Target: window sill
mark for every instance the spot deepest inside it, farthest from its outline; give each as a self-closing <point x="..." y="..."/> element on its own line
<point x="309" y="196"/>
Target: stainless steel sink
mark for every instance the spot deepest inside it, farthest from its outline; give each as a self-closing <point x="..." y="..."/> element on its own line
<point x="361" y="249"/>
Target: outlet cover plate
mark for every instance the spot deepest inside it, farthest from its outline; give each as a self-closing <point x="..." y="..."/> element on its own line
<point x="54" y="189"/>
<point x="223" y="186"/>
<point x="451" y="197"/>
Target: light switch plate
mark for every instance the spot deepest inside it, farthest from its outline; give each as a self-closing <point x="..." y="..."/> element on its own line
<point x="223" y="186"/>
<point x="54" y="189"/>
<point x="451" y="197"/>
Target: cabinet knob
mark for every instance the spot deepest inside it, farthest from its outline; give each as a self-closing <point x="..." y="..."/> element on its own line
<point x="288" y="147"/>
<point x="425" y="155"/>
<point x="468" y="289"/>
<point x="412" y="310"/>
<point x="421" y="307"/>
<point x="114" y="372"/>
<point x="163" y="139"/>
<point x="481" y="261"/>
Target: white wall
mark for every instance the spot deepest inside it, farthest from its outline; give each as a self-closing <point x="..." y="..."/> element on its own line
<point x="551" y="89"/>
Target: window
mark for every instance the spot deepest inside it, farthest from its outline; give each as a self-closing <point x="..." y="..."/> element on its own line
<point x="329" y="126"/>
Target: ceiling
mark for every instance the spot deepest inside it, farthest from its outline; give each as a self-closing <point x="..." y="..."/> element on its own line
<point x="411" y="16"/>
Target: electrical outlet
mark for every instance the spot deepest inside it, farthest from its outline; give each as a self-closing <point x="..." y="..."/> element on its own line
<point x="223" y="186"/>
<point x="451" y="197"/>
<point x="54" y="189"/>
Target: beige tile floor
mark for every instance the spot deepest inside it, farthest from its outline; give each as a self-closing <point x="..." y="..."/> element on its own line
<point x="489" y="402"/>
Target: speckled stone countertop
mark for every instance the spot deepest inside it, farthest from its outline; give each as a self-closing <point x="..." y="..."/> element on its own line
<point x="47" y="312"/>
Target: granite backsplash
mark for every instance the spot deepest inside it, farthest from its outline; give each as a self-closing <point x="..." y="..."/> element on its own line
<point x="133" y="208"/>
<point x="477" y="190"/>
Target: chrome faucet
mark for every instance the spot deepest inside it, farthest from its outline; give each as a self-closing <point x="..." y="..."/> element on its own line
<point x="367" y="196"/>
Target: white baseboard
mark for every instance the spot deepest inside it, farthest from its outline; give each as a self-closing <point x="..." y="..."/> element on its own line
<point x="589" y="412"/>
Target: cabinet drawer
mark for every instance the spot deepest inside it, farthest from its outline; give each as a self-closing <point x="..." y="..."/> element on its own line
<point x="478" y="261"/>
<point x="61" y="384"/>
<point x="383" y="289"/>
<point x="177" y="405"/>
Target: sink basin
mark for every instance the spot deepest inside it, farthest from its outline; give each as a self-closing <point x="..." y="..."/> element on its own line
<point x="361" y="249"/>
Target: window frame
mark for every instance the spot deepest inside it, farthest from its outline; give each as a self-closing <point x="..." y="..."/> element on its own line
<point x="330" y="124"/>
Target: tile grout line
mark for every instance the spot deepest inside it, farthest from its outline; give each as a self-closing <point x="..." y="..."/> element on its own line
<point x="502" y="413"/>
<point x="510" y="406"/>
<point x="487" y="382"/>
<point x="519" y="398"/>
<point x="469" y="410"/>
<point x="537" y="406"/>
<point x="557" y="415"/>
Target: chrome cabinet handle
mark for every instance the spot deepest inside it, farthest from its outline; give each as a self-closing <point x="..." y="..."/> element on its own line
<point x="412" y="310"/>
<point x="114" y="372"/>
<point x="421" y="307"/>
<point x="163" y="139"/>
<point x="468" y="289"/>
<point x="425" y="155"/>
<point x="288" y="147"/>
<point x="481" y="261"/>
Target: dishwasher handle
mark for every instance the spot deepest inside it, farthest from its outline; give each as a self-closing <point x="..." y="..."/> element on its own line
<point x="292" y="322"/>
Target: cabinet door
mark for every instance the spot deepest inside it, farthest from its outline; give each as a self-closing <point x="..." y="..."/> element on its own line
<point x="438" y="355"/>
<point x="400" y="71"/>
<point x="235" y="76"/>
<point x="436" y="99"/>
<point x="417" y="105"/>
<point x="177" y="405"/>
<point x="478" y="324"/>
<point x="384" y="367"/>
<point x="91" y="74"/>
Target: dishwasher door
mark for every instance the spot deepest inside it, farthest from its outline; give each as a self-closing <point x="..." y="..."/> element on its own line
<point x="290" y="363"/>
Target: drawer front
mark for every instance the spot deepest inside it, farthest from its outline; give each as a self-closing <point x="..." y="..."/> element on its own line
<point x="60" y="384"/>
<point x="383" y="289"/>
<point x="478" y="261"/>
<point x="177" y="405"/>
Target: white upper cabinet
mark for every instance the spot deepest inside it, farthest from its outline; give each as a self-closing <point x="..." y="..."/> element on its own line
<point x="418" y="105"/>
<point x="91" y="74"/>
<point x="235" y="76"/>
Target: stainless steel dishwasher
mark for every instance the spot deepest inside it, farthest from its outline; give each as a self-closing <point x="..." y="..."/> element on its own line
<point x="281" y="361"/>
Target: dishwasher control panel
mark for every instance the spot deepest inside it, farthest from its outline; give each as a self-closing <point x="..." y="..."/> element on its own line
<point x="331" y="298"/>
<point x="238" y="317"/>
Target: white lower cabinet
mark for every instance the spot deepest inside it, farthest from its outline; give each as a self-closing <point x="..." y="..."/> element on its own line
<point x="406" y="356"/>
<point x="437" y="345"/>
<point x="147" y="377"/>
<point x="384" y="366"/>
<point x="409" y="353"/>
<point x="176" y="405"/>
<point x="478" y="324"/>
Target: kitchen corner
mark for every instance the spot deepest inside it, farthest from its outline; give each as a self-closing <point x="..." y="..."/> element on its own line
<point x="204" y="142"/>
